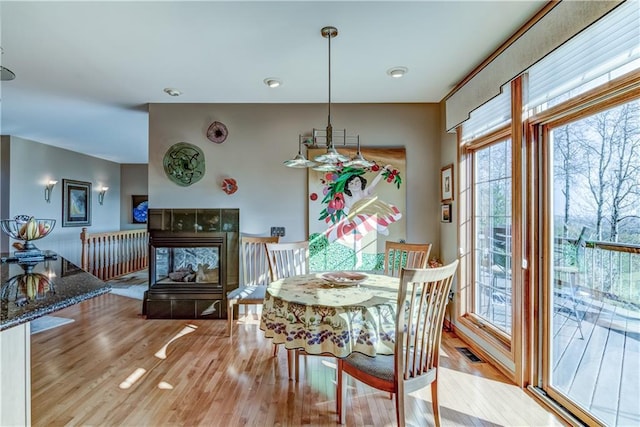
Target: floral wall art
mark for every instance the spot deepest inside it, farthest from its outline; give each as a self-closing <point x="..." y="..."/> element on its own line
<point x="353" y="211"/>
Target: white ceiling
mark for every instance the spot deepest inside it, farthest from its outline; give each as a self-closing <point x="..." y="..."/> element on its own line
<point x="86" y="70"/>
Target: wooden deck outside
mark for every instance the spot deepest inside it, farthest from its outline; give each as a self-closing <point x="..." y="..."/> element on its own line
<point x="599" y="370"/>
<point x="595" y="350"/>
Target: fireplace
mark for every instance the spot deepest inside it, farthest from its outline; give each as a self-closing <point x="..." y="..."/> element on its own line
<point x="193" y="262"/>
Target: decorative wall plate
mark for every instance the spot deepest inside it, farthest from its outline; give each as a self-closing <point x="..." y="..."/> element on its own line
<point x="184" y="164"/>
<point x="217" y="132"/>
<point x="229" y="185"/>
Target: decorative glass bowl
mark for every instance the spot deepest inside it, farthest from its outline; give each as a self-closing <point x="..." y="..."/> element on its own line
<point x="23" y="288"/>
<point x="344" y="278"/>
<point x="27" y="229"/>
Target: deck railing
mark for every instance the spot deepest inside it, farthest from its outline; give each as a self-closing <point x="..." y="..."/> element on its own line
<point x="610" y="270"/>
<point x="112" y="254"/>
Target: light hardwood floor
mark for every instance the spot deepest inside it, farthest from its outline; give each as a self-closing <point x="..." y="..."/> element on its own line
<point x="112" y="367"/>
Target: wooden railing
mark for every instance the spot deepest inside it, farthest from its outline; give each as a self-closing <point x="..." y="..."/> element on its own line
<point x="607" y="269"/>
<point x="112" y="254"/>
<point x="613" y="270"/>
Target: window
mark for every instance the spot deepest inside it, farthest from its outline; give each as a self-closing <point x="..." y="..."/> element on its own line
<point x="548" y="208"/>
<point x="492" y="234"/>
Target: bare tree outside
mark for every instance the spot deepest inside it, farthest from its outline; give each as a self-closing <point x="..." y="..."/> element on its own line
<point x="597" y="173"/>
<point x="625" y="176"/>
<point x="567" y="141"/>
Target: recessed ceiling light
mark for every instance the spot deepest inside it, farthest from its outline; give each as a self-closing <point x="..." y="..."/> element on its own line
<point x="272" y="82"/>
<point x="397" y="72"/>
<point x="172" y="91"/>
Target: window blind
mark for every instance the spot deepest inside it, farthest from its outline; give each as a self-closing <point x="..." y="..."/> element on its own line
<point x="492" y="115"/>
<point x="557" y="26"/>
<point x="605" y="50"/>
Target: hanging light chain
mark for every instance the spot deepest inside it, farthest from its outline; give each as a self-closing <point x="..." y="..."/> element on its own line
<point x="332" y="159"/>
<point x="329" y="33"/>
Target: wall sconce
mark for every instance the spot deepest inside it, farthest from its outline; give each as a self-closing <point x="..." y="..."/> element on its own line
<point x="48" y="189"/>
<point x="101" y="194"/>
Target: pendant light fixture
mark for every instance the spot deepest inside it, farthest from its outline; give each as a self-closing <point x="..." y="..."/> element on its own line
<point x="331" y="159"/>
<point x="5" y="73"/>
<point x="299" y="161"/>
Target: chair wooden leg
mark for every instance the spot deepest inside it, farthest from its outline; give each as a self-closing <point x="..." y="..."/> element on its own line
<point x="275" y="350"/>
<point x="339" y="393"/>
<point x="400" y="409"/>
<point x="230" y="318"/>
<point x="434" y="403"/>
<point x="296" y="361"/>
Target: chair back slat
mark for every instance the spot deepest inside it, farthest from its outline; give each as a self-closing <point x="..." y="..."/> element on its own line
<point x="409" y="255"/>
<point x="288" y="259"/>
<point x="255" y="264"/>
<point x="422" y="299"/>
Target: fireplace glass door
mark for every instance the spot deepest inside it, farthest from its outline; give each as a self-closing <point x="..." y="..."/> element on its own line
<point x="187" y="265"/>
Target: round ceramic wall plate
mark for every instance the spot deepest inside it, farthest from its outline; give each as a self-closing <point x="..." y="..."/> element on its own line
<point x="217" y="132"/>
<point x="184" y="164"/>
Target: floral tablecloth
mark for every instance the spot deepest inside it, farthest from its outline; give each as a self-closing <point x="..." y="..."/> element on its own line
<point x="310" y="313"/>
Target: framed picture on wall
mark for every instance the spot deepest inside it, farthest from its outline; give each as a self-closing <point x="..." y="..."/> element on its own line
<point x="446" y="183"/>
<point x="76" y="203"/>
<point x="140" y="206"/>
<point x="445" y="212"/>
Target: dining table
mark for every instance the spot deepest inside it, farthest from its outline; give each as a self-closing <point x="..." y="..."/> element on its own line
<point x="322" y="316"/>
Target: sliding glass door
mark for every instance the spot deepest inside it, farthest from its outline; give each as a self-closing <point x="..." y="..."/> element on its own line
<point x="592" y="287"/>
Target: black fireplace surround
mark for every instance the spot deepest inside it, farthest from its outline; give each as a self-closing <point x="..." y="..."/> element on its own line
<point x="193" y="262"/>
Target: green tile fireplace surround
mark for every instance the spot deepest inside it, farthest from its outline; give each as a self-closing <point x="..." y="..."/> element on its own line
<point x="193" y="262"/>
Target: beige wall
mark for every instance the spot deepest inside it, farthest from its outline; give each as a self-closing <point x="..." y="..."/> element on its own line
<point x="262" y="136"/>
<point x="449" y="155"/>
<point x="33" y="164"/>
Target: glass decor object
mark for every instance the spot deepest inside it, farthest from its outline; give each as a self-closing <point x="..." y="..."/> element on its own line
<point x="140" y="212"/>
<point x="27" y="286"/>
<point x="184" y="164"/>
<point x="229" y="185"/>
<point x="344" y="278"/>
<point x="140" y="206"/>
<point x="217" y="132"/>
<point x="27" y="229"/>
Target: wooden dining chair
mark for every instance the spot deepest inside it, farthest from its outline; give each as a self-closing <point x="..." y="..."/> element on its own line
<point x="422" y="300"/>
<point x="409" y="255"/>
<point x="255" y="275"/>
<point x="286" y="260"/>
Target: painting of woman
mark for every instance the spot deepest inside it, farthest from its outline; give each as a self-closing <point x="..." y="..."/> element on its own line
<point x="359" y="206"/>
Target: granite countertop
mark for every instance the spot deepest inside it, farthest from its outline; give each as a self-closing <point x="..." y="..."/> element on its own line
<point x="35" y="289"/>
